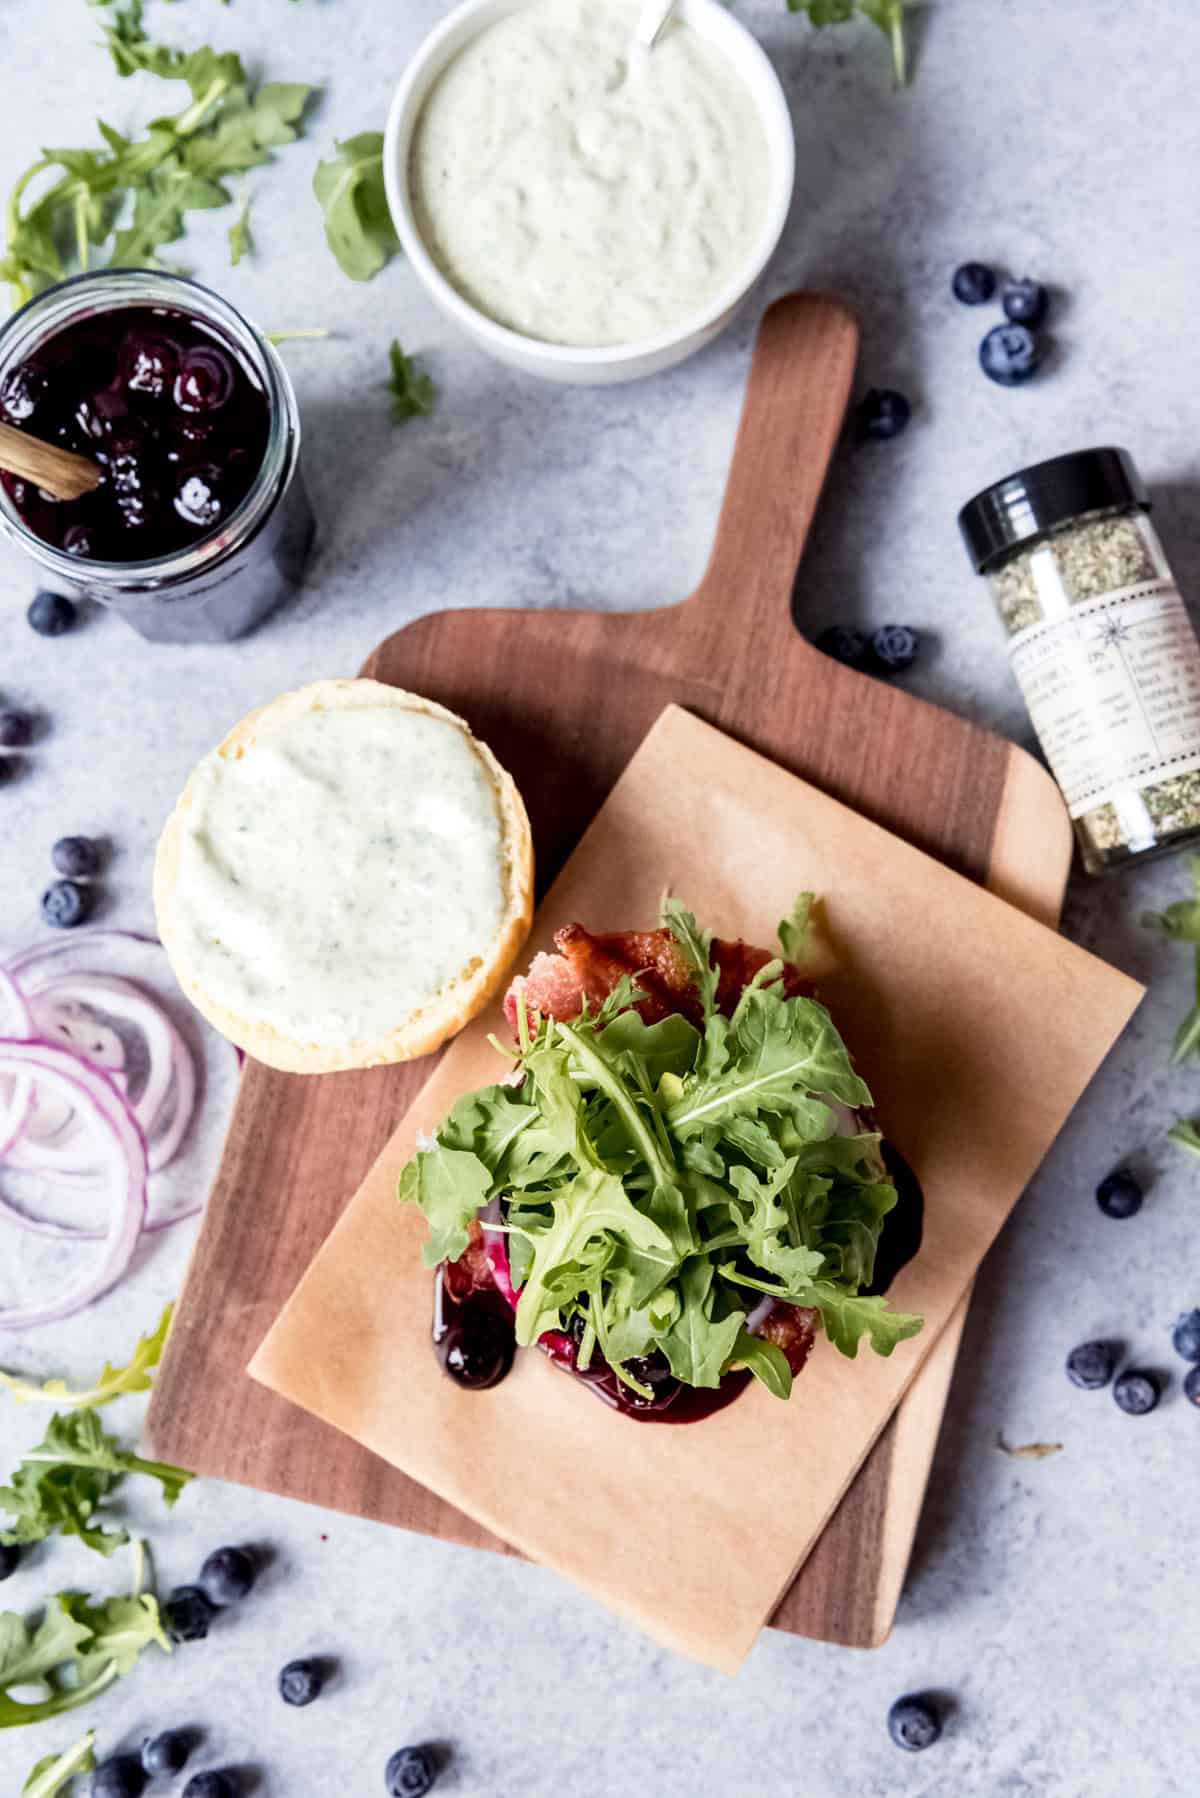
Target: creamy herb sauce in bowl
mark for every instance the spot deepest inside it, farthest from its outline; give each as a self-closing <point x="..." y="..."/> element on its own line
<point x="583" y="195"/>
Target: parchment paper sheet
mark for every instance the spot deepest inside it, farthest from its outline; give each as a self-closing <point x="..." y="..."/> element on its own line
<point x="976" y="1029"/>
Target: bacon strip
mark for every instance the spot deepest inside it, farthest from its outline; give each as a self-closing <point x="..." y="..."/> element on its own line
<point x="589" y="967"/>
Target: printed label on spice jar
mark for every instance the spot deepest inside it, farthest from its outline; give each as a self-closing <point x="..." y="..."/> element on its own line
<point x="1114" y="692"/>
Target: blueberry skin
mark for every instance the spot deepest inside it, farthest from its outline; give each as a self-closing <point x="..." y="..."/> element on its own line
<point x="973" y="283"/>
<point x="881" y="414"/>
<point x="846" y="645"/>
<point x="210" y="1785"/>
<point x="120" y="1777"/>
<point x="894" y="647"/>
<point x="1090" y="1366"/>
<point x="9" y="765"/>
<point x="64" y="904"/>
<point x="410" y="1773"/>
<point x="165" y="1753"/>
<point x="1136" y="1393"/>
<point x="1191" y="1387"/>
<point x="78" y="858"/>
<point x="187" y="1614"/>
<point x="10" y="1559"/>
<point x="1185" y="1337"/>
<point x="227" y="1575"/>
<point x="913" y="1724"/>
<point x="51" y="614"/>
<point x="300" y="1682"/>
<point x="1120" y="1194"/>
<point x="1010" y="354"/>
<point x="16" y="729"/>
<point x="1025" y="302"/>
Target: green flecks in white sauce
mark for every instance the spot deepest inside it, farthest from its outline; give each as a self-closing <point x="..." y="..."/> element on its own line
<point x="582" y="195"/>
<point x="340" y="873"/>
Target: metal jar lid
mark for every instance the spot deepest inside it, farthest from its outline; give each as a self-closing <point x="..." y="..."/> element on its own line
<point x="1035" y="500"/>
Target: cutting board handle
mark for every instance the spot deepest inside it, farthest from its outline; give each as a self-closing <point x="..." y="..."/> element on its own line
<point x="796" y="399"/>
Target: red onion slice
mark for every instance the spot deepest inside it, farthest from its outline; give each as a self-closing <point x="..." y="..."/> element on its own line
<point x="495" y="1246"/>
<point x="48" y="1065"/>
<point x="17" y="1102"/>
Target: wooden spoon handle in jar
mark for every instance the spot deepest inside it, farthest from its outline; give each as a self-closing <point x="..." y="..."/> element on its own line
<point x="58" y="472"/>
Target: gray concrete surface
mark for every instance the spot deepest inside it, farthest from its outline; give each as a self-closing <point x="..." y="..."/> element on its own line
<point x="1055" y="1599"/>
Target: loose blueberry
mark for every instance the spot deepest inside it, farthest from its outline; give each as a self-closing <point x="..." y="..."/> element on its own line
<point x="973" y="283"/>
<point x="914" y="1724"/>
<point x="227" y="1575"/>
<point x="16" y="729"/>
<point x="301" y="1681"/>
<point x="1191" y="1387"/>
<point x="1025" y="302"/>
<point x="880" y="414"/>
<point x="120" y="1777"/>
<point x="187" y="1614"/>
<point x="210" y="1785"/>
<point x="10" y="1557"/>
<point x="9" y="766"/>
<point x="411" y="1772"/>
<point x="1185" y="1337"/>
<point x="206" y="379"/>
<point x="1010" y="354"/>
<point x="845" y="644"/>
<point x="51" y="614"/>
<point x="64" y="904"/>
<point x="894" y="647"/>
<point x="1136" y="1393"/>
<point x="166" y="1753"/>
<point x="1090" y="1365"/>
<point x="1119" y="1194"/>
<point x="76" y="857"/>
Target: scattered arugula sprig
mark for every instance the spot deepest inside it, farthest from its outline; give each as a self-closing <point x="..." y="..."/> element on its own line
<point x="1181" y="923"/>
<point x="413" y="392"/>
<point x="888" y="15"/>
<point x="54" y="1772"/>
<point x="133" y="195"/>
<point x="351" y="193"/>
<point x="658" y="1178"/>
<point x="133" y="1375"/>
<point x="61" y="1484"/>
<point x="77" y="1649"/>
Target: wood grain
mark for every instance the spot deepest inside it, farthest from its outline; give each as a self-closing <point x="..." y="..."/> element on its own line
<point x="564" y="698"/>
<point x="58" y="471"/>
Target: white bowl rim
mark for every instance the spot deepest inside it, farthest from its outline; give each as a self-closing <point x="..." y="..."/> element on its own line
<point x="766" y="91"/>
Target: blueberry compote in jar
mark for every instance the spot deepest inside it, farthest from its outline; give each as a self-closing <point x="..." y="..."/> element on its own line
<point x="200" y="525"/>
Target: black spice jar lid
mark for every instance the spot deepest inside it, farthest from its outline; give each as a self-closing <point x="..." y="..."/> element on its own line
<point x="1035" y="500"/>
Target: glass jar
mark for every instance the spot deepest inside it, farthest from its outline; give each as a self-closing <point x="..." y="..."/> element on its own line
<point x="1102" y="647"/>
<point x="224" y="584"/>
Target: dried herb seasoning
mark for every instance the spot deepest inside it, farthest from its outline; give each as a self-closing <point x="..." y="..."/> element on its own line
<point x="1102" y="646"/>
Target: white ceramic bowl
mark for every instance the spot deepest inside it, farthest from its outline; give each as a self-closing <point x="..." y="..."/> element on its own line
<point x="616" y="362"/>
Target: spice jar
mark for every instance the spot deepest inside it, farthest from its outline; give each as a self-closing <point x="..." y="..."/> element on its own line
<point x="201" y="524"/>
<point x="1102" y="646"/>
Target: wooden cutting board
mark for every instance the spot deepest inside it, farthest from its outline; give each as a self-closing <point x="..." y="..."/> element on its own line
<point x="564" y="698"/>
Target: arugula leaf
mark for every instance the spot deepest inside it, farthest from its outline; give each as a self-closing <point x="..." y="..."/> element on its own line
<point x="1181" y="923"/>
<point x="765" y="1360"/>
<point x="794" y="929"/>
<point x="96" y="1643"/>
<point x="649" y="1175"/>
<point x="886" y="15"/>
<point x="1185" y="1135"/>
<point x="351" y="193"/>
<point x="133" y="1376"/>
<point x="60" y="1483"/>
<point x="412" y="392"/>
<point x="138" y="192"/>
<point x="240" y="240"/>
<point x="54" y="1772"/>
